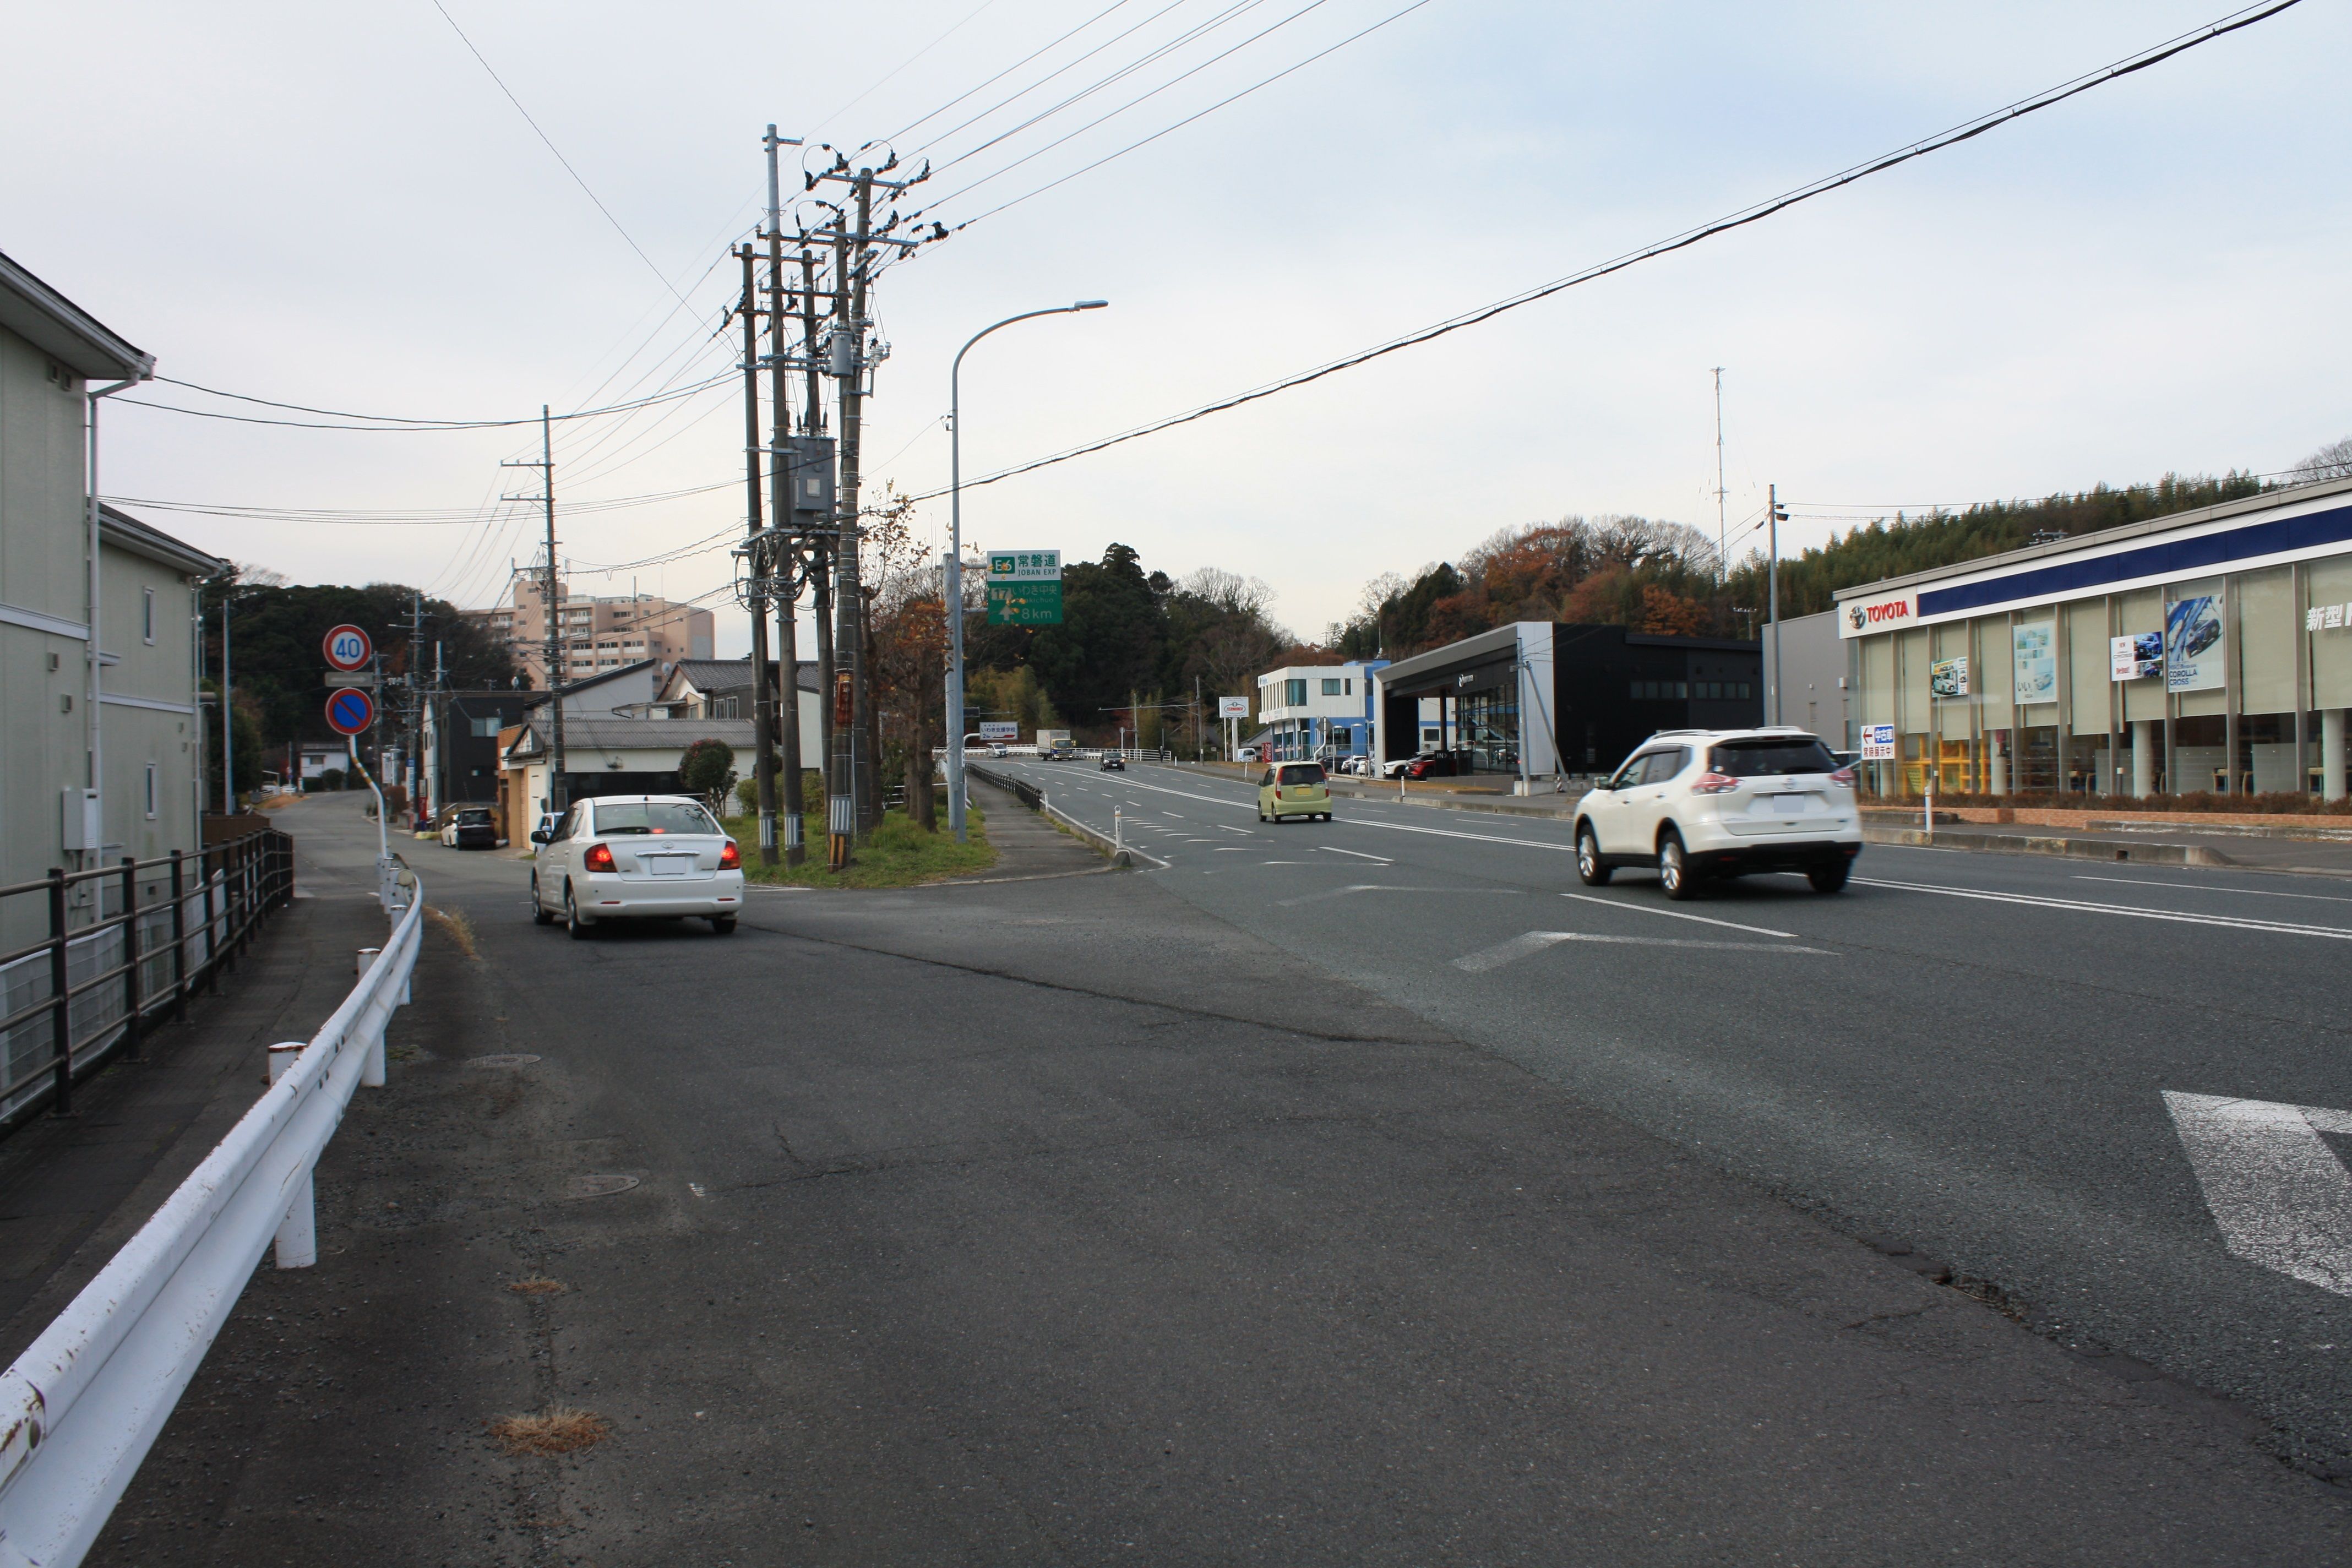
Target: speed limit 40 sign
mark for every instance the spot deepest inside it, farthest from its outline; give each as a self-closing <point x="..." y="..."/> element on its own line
<point x="348" y="648"/>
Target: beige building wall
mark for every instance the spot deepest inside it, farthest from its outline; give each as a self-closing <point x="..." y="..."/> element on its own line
<point x="598" y="634"/>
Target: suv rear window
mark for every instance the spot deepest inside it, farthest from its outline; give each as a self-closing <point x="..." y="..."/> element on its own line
<point x="654" y="816"/>
<point x="1300" y="774"/>
<point x="1772" y="758"/>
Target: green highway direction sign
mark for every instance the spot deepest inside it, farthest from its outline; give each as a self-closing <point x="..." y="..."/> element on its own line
<point x="1024" y="587"/>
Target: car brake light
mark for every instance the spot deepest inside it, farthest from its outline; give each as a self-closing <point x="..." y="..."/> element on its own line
<point x="1842" y="778"/>
<point x="600" y="857"/>
<point x="729" y="857"/>
<point x="1278" y="794"/>
<point x="1714" y="783"/>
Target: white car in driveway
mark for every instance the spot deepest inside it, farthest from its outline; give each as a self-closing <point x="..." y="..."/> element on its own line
<point x="635" y="857"/>
<point x="1697" y="804"/>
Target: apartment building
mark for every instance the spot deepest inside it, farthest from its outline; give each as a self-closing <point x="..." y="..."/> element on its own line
<point x="598" y="634"/>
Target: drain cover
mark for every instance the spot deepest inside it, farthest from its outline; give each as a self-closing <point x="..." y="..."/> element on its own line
<point x="597" y="1186"/>
<point x="505" y="1059"/>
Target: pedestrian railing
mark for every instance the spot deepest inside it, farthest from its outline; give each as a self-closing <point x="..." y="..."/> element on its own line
<point x="93" y="957"/>
<point x="82" y="1405"/>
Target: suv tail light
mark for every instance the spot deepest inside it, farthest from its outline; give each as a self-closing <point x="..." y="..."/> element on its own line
<point x="1844" y="777"/>
<point x="599" y="857"/>
<point x="1714" y="783"/>
<point x="731" y="857"/>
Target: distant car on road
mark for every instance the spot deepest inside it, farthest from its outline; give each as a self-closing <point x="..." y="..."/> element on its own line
<point x="1112" y="763"/>
<point x="998" y="749"/>
<point x="470" y="827"/>
<point x="1294" y="789"/>
<point x="635" y="857"/>
<point x="1707" y="802"/>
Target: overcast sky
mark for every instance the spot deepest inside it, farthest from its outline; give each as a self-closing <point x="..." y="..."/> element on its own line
<point x="338" y="206"/>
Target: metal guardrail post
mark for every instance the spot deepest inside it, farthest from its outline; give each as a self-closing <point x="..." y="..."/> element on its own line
<point x="60" y="997"/>
<point x="372" y="1071"/>
<point x="297" y="1233"/>
<point x="134" y="1005"/>
<point x="179" y="938"/>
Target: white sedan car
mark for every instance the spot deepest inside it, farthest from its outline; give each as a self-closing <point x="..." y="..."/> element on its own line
<point x="635" y="857"/>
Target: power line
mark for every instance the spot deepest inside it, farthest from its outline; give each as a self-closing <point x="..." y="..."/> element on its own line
<point x="551" y="147"/>
<point x="392" y="517"/>
<point x="894" y="70"/>
<point x="392" y="424"/>
<point x="1015" y="66"/>
<point x="1740" y="219"/>
<point x="1164" y="131"/>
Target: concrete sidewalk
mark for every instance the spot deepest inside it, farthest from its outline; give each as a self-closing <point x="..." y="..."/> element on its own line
<point x="74" y="1188"/>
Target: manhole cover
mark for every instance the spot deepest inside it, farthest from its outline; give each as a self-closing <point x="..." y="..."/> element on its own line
<point x="504" y="1059"/>
<point x="597" y="1186"/>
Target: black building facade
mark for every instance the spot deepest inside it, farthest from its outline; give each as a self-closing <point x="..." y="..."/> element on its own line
<point x="1546" y="696"/>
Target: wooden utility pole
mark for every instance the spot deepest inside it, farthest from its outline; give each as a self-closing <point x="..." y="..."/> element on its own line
<point x="821" y="556"/>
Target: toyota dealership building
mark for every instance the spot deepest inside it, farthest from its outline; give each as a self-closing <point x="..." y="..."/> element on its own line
<point x="2209" y="650"/>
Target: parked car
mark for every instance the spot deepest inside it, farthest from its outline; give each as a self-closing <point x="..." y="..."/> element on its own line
<point x="1395" y="766"/>
<point x="1112" y="763"/>
<point x="635" y="857"/>
<point x="1697" y="804"/>
<point x="1435" y="765"/>
<point x="1294" y="789"/>
<point x="469" y="827"/>
<point x="1245" y="754"/>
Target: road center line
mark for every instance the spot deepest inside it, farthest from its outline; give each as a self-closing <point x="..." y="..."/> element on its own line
<point x="2209" y="888"/>
<point x="1334" y="849"/>
<point x="1675" y="914"/>
<point x="2078" y="906"/>
<point x="1384" y="888"/>
<point x="1535" y="942"/>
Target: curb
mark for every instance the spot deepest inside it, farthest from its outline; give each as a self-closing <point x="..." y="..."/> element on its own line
<point x="2105" y="850"/>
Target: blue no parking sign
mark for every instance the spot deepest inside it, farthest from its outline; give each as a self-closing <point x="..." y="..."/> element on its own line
<point x="351" y="710"/>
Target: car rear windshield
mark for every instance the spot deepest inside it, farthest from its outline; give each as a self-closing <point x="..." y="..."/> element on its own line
<point x="654" y="816"/>
<point x="1772" y="758"/>
<point x="1301" y="773"/>
<point x="473" y="818"/>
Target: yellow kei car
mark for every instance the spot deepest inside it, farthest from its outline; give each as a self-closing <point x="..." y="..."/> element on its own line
<point x="1294" y="789"/>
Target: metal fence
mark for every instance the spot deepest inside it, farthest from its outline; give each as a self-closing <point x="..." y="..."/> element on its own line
<point x="122" y="946"/>
<point x="82" y="1407"/>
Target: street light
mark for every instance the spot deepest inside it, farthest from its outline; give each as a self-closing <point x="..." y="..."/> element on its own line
<point x="955" y="556"/>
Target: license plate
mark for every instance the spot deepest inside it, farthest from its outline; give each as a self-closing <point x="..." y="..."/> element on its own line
<point x="668" y="865"/>
<point x="1789" y="805"/>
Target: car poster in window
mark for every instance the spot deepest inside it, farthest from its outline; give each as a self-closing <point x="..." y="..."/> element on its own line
<point x="2192" y="645"/>
<point x="2136" y="657"/>
<point x="2037" y="661"/>
<point x="1949" y="678"/>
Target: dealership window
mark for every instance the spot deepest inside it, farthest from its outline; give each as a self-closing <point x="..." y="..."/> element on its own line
<point x="1294" y="693"/>
<point x="1488" y="729"/>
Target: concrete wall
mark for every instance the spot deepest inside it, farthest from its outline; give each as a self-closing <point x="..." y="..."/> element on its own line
<point x="1813" y="672"/>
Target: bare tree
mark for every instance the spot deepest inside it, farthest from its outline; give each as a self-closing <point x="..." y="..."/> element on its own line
<point x="2333" y="461"/>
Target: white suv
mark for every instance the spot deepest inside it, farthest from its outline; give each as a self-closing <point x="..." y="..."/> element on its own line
<point x="1702" y="802"/>
<point x="633" y="857"/>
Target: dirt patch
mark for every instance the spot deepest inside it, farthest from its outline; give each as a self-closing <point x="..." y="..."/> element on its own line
<point x="456" y="927"/>
<point x="558" y="1429"/>
<point x="537" y="1287"/>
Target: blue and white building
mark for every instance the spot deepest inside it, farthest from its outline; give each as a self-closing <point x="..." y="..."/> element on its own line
<point x="1318" y="710"/>
<point x="2206" y="651"/>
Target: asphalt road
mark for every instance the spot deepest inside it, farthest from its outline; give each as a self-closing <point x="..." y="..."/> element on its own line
<point x="1095" y="1217"/>
<point x="1968" y="1053"/>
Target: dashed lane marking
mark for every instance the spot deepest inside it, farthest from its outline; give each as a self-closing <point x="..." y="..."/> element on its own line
<point x="1384" y="888"/>
<point x="2209" y="888"/>
<point x="1334" y="849"/>
<point x="1675" y="914"/>
<point x="1535" y="942"/>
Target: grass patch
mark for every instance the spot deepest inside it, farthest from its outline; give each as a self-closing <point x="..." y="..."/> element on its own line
<point x="457" y="927"/>
<point x="558" y="1429"/>
<point x="899" y="855"/>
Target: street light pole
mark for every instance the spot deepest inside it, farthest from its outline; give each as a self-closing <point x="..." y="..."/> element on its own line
<point x="955" y="556"/>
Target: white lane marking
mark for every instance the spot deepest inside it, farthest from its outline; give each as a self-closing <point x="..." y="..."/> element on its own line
<point x="1675" y="914"/>
<point x="2078" y="906"/>
<point x="1289" y="862"/>
<point x="1187" y="795"/>
<point x="696" y="1188"/>
<point x="1244" y="832"/>
<point x="1334" y="849"/>
<point x="1231" y="849"/>
<point x="1382" y="887"/>
<point x="1450" y="833"/>
<point x="2279" y="1195"/>
<point x="1535" y="942"/>
<point x="2209" y="888"/>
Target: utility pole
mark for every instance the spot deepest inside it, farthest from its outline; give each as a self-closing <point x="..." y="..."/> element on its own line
<point x="785" y="557"/>
<point x="1722" y="566"/>
<point x="1777" y="516"/>
<point x="821" y="556"/>
<point x="558" y="795"/>
<point x="763" y="700"/>
<point x="228" y="747"/>
<point x="415" y="697"/>
<point x="841" y="762"/>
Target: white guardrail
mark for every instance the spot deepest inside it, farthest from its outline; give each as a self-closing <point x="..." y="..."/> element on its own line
<point x="82" y="1405"/>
